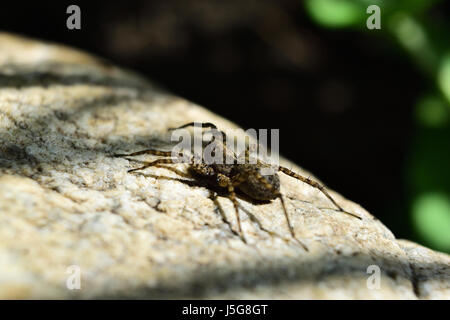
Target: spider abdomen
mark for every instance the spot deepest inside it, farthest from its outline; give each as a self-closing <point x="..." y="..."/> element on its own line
<point x="259" y="190"/>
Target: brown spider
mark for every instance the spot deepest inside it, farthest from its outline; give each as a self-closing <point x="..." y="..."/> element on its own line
<point x="245" y="177"/>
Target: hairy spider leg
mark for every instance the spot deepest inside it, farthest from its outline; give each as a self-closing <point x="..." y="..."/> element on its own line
<point x="147" y="151"/>
<point x="316" y="185"/>
<point x="156" y="162"/>
<point x="224" y="181"/>
<point x="268" y="186"/>
<point x="201" y="124"/>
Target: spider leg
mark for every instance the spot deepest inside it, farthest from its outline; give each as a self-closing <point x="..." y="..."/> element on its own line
<point x="201" y="124"/>
<point x="291" y="229"/>
<point x="155" y="163"/>
<point x="316" y="185"/>
<point x="148" y="151"/>
<point x="239" y="178"/>
<point x="153" y="152"/>
<point x="203" y="169"/>
<point x="260" y="225"/>
<point x="232" y="196"/>
<point x="214" y="198"/>
<point x="174" y="170"/>
<point x="236" y="181"/>
<point x="267" y="185"/>
<point x="226" y="182"/>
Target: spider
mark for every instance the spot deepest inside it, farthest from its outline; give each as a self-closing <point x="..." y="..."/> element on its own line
<point x="245" y="177"/>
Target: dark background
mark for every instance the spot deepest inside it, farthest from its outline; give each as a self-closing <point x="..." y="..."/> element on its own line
<point x="343" y="98"/>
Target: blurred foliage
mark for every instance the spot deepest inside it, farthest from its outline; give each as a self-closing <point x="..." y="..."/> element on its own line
<point x="410" y="26"/>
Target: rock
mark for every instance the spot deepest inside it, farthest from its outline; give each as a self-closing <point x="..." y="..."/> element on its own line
<point x="67" y="206"/>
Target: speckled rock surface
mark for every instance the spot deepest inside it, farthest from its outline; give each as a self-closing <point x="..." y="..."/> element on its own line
<point x="65" y="201"/>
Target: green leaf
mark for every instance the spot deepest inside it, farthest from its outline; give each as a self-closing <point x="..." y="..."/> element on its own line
<point x="336" y="13"/>
<point x="431" y="219"/>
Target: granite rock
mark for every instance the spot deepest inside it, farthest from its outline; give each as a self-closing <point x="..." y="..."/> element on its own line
<point x="68" y="208"/>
